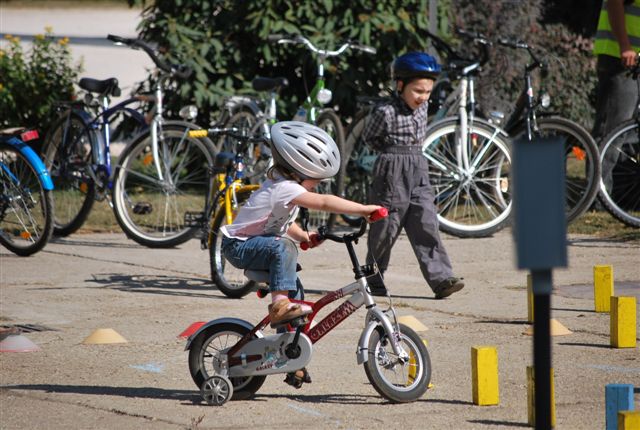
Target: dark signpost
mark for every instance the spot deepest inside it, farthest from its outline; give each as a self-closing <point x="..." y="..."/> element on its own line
<point x="540" y="234"/>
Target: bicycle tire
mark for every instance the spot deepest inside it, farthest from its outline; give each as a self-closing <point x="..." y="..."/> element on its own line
<point x="26" y="207"/>
<point x="228" y="279"/>
<point x="138" y="192"/>
<point x="416" y="374"/>
<point x="357" y="177"/>
<point x="329" y="121"/>
<point x="204" y="358"/>
<point x="456" y="191"/>
<point x="582" y="166"/>
<point x="619" y="187"/>
<point x="74" y="188"/>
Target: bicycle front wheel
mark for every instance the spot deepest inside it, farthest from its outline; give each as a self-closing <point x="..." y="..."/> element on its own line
<point x="229" y="279"/>
<point x="151" y="210"/>
<point x="67" y="153"/>
<point x="473" y="201"/>
<point x="329" y="121"/>
<point x="26" y="208"/>
<point x="619" y="189"/>
<point x="398" y="380"/>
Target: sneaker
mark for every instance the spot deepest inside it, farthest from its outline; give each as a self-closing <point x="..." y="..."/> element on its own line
<point x="448" y="287"/>
<point x="283" y="312"/>
<point x="298" y="378"/>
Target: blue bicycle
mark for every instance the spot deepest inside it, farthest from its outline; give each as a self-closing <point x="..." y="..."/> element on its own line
<point x="26" y="203"/>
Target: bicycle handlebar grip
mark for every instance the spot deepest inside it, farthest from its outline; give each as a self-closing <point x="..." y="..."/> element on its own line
<point x="183" y="72"/>
<point x="314" y="240"/>
<point x="118" y="39"/>
<point x="378" y="214"/>
<point x="198" y="133"/>
<point x="275" y="37"/>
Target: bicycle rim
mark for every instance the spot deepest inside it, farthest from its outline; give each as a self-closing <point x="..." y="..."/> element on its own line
<point x="150" y="210"/>
<point x="619" y="189"/>
<point x="69" y="164"/>
<point x="477" y="202"/>
<point x="25" y="206"/>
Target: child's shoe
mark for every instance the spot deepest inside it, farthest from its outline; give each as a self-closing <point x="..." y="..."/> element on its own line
<point x="298" y="378"/>
<point x="283" y="312"/>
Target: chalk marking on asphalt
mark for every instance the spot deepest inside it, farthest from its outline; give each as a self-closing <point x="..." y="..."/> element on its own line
<point x="149" y="367"/>
<point x="313" y="413"/>
<point x="608" y="368"/>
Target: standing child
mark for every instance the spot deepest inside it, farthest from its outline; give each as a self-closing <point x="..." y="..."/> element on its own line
<point x="263" y="235"/>
<point x="401" y="176"/>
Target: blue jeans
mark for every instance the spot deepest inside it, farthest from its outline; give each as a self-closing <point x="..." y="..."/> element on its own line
<point x="275" y="254"/>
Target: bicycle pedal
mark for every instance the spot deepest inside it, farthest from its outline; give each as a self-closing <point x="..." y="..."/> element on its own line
<point x="142" y="208"/>
<point x="297" y="378"/>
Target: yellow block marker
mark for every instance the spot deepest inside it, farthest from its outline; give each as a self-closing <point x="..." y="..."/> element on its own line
<point x="555" y="328"/>
<point x="484" y="375"/>
<point x="602" y="287"/>
<point x="104" y="335"/>
<point x="412" y="322"/>
<point x="628" y="420"/>
<point x="529" y="299"/>
<point x="531" y="398"/>
<point x="623" y="322"/>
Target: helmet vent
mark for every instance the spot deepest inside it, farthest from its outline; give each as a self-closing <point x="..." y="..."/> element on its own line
<point x="314" y="147"/>
<point x="305" y="156"/>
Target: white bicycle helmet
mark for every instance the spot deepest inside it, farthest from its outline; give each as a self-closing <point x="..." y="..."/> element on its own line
<point x="305" y="149"/>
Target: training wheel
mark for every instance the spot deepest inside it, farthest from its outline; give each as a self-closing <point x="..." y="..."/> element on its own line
<point x="217" y="390"/>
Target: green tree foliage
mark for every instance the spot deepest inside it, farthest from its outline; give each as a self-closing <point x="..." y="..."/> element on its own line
<point x="31" y="81"/>
<point x="225" y="42"/>
<point x="571" y="79"/>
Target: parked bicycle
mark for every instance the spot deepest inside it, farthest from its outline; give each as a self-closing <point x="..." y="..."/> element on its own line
<point x="229" y="190"/>
<point x="26" y="207"/>
<point x="161" y="174"/>
<point x="619" y="187"/>
<point x="230" y="358"/>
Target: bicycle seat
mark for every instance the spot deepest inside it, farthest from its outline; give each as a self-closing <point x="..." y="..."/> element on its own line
<point x="106" y="86"/>
<point x="268" y="84"/>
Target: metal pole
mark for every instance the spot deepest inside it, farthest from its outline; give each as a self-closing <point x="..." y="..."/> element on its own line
<point x="541" y="281"/>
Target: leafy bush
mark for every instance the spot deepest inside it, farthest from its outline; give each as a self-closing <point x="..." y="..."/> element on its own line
<point x="225" y="42"/>
<point x="30" y="82"/>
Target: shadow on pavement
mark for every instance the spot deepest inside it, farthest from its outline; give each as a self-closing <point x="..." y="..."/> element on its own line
<point x="499" y="423"/>
<point x="139" y="392"/>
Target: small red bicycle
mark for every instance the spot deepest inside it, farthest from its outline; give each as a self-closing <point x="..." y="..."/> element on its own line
<point x="229" y="358"/>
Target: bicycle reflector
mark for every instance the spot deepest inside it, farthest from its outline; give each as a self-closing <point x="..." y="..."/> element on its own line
<point x="324" y="96"/>
<point x="29" y="135"/>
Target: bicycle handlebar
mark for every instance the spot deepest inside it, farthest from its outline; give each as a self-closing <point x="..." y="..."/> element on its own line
<point x="180" y="70"/>
<point x="324" y="234"/>
<point x="301" y="40"/>
<point x="519" y="44"/>
<point x="231" y="132"/>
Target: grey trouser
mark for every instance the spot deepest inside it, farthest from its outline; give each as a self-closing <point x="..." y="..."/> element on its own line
<point x="616" y="96"/>
<point x="401" y="184"/>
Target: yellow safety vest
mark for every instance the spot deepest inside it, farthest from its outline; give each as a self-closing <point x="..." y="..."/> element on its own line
<point x="606" y="42"/>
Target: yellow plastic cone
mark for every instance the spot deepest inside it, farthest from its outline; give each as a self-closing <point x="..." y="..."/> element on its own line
<point x="104" y="335"/>
<point x="412" y="322"/>
<point x="556" y="329"/>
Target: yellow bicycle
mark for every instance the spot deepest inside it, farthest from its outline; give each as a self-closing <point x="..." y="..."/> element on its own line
<point x="229" y="191"/>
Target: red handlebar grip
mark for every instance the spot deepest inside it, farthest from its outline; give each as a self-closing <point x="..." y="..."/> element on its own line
<point x="304" y="246"/>
<point x="379" y="214"/>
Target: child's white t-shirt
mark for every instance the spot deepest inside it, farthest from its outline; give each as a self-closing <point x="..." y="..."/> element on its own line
<point x="267" y="212"/>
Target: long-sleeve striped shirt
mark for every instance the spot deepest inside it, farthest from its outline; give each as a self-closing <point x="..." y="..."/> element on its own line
<point x="394" y="123"/>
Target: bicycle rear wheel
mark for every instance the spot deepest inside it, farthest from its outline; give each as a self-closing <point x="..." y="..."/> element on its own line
<point x="150" y="210"/>
<point x="582" y="167"/>
<point x="329" y="121"/>
<point x="619" y="189"/>
<point x="229" y="280"/>
<point x="67" y="153"/>
<point x="473" y="202"/>
<point x="26" y="207"/>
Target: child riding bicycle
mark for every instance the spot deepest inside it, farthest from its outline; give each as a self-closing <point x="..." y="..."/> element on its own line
<point x="263" y="235"/>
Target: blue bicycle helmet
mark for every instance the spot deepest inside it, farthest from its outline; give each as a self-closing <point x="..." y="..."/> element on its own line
<point x="415" y="65"/>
